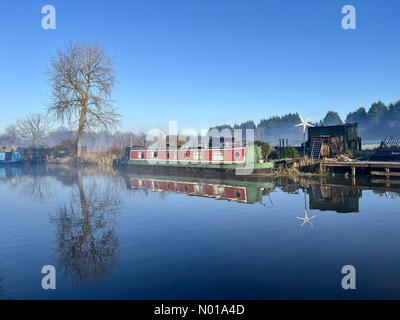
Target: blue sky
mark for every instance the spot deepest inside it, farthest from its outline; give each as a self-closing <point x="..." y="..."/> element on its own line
<point x="209" y="62"/>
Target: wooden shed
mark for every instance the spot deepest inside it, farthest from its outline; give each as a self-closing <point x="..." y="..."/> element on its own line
<point x="328" y="141"/>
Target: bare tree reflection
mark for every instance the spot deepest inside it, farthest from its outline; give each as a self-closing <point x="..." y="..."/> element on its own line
<point x="36" y="187"/>
<point x="86" y="239"/>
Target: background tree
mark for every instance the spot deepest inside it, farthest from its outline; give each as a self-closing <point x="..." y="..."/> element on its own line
<point x="359" y="116"/>
<point x="82" y="78"/>
<point x="66" y="146"/>
<point x="245" y="125"/>
<point x="33" y="129"/>
<point x="289" y="152"/>
<point x="377" y="112"/>
<point x="375" y="123"/>
<point x="9" y="137"/>
<point x="392" y="117"/>
<point x="332" y="118"/>
<point x="266" y="148"/>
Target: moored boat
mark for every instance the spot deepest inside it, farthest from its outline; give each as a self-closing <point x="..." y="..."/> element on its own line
<point x="239" y="161"/>
<point x="10" y="156"/>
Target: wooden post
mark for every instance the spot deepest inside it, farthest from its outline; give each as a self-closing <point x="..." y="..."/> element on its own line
<point x="353" y="171"/>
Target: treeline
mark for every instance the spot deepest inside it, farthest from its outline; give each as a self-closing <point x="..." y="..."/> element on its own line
<point x="12" y="135"/>
<point x="378" y="121"/>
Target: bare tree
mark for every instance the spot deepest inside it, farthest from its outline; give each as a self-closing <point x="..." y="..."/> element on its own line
<point x="9" y="137"/>
<point x="33" y="128"/>
<point x="82" y="78"/>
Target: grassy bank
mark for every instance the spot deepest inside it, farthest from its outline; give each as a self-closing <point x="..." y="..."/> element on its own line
<point x="99" y="158"/>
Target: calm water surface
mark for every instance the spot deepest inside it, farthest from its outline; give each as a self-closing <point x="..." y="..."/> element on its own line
<point x="120" y="236"/>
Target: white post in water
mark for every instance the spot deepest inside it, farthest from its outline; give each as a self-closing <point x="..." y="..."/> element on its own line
<point x="304" y="124"/>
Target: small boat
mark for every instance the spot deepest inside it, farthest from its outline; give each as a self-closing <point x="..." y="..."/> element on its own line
<point x="10" y="156"/>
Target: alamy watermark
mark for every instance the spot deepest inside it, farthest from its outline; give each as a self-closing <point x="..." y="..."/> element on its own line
<point x="349" y="19"/>
<point x="49" y="19"/>
<point x="349" y="280"/>
<point x="189" y="146"/>
<point x="49" y="280"/>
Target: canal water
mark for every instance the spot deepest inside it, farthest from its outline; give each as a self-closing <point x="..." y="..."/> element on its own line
<point x="112" y="235"/>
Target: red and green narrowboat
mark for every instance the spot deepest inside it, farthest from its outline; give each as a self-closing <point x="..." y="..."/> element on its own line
<point x="245" y="160"/>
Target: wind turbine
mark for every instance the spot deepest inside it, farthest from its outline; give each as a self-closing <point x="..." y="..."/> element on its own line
<point x="304" y="124"/>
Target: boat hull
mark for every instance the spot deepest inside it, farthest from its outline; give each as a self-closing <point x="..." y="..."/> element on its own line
<point x="211" y="171"/>
<point x="10" y="157"/>
<point x="11" y="162"/>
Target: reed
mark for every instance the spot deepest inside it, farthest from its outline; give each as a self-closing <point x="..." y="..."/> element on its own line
<point x="95" y="157"/>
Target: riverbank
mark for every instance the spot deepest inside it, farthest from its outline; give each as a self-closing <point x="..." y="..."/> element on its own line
<point x="293" y="167"/>
<point x="99" y="158"/>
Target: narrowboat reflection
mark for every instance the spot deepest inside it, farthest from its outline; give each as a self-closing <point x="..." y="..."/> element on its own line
<point x="230" y="190"/>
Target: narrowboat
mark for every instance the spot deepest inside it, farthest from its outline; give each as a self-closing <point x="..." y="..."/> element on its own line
<point x="10" y="156"/>
<point x="238" y="161"/>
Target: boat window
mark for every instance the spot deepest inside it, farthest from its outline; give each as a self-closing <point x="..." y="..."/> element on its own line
<point x="218" y="156"/>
